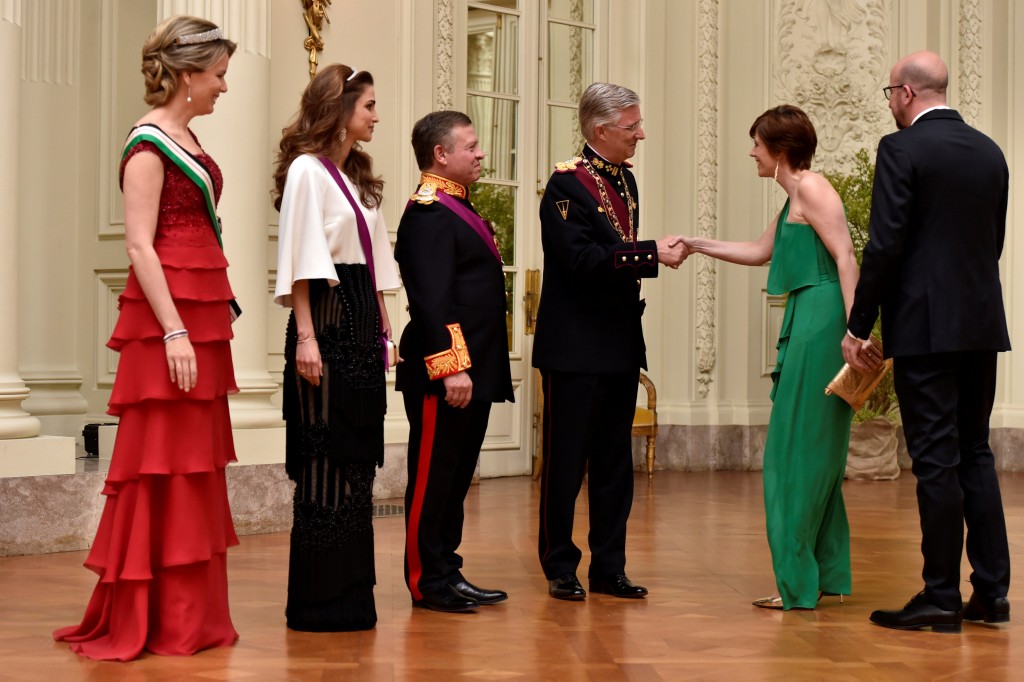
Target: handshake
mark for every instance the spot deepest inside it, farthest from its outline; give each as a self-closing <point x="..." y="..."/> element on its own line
<point x="673" y="250"/>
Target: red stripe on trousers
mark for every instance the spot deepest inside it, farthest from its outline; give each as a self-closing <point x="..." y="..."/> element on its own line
<point x="412" y="544"/>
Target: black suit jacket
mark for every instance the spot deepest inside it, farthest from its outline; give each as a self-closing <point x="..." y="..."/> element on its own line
<point x="451" y="277"/>
<point x="938" y="217"/>
<point x="590" y="307"/>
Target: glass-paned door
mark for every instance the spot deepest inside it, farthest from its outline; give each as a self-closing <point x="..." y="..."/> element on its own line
<point x="494" y="95"/>
<point x="525" y="118"/>
<point x="493" y="101"/>
<point x="569" y="68"/>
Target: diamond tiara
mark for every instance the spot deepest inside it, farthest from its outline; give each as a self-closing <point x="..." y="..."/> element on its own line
<point x="196" y="38"/>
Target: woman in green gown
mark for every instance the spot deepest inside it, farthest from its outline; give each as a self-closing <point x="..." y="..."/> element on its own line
<point x="812" y="260"/>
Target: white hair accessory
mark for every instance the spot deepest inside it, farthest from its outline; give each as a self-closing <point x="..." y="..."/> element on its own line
<point x="354" y="72"/>
<point x="196" y="38"/>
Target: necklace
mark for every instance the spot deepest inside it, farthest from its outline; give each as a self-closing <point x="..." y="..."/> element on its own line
<point x="606" y="203"/>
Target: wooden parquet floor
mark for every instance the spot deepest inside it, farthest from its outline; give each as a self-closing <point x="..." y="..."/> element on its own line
<point x="696" y="540"/>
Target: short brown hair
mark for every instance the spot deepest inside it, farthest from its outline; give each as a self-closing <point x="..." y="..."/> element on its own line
<point x="164" y="60"/>
<point x="436" y="128"/>
<point x="787" y="130"/>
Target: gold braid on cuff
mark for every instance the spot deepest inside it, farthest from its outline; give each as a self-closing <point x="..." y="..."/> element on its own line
<point x="451" y="361"/>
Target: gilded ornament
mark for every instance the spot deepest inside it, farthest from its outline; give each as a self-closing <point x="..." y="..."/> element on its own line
<point x="315" y="11"/>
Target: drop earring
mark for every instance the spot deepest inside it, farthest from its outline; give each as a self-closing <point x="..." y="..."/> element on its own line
<point x="344" y="134"/>
<point x="189" y="98"/>
<point x="776" y="176"/>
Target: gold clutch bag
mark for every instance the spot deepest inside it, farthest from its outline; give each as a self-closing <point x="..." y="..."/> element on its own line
<point x="855" y="387"/>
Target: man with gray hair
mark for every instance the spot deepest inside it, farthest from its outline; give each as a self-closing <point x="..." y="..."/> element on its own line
<point x="589" y="345"/>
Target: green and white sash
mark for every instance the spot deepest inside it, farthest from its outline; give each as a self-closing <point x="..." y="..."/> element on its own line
<point x="189" y="165"/>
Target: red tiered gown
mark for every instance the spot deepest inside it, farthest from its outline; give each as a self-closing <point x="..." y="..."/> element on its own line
<point x="160" y="549"/>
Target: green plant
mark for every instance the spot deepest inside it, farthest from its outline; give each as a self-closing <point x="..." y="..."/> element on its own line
<point x="497" y="204"/>
<point x="854" y="188"/>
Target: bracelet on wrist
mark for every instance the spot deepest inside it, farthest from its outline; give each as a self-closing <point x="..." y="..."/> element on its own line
<point x="309" y="338"/>
<point x="176" y="334"/>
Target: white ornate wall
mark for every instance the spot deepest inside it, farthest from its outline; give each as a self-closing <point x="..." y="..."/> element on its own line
<point x="704" y="69"/>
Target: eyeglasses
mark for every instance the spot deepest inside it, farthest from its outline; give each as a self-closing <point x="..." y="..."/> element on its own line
<point x="887" y="90"/>
<point x="631" y="128"/>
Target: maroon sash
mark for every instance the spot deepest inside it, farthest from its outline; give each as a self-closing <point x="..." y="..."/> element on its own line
<point x="621" y="210"/>
<point x="367" y="243"/>
<point x="478" y="224"/>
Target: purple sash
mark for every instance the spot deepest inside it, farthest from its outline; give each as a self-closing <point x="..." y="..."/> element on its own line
<point x="365" y="241"/>
<point x="621" y="210"/>
<point x="478" y="224"/>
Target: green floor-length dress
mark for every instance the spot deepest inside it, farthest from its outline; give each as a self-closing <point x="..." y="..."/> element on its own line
<point x="808" y="432"/>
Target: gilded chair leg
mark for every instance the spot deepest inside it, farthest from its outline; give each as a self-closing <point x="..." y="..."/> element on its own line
<point x="650" y="458"/>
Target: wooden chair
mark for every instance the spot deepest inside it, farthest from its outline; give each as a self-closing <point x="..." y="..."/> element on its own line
<point x="645" y="423"/>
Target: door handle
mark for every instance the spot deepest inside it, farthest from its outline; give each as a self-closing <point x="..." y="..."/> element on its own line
<point x="531" y="300"/>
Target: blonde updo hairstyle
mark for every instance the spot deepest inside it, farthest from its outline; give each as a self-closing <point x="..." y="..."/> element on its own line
<point x="164" y="60"/>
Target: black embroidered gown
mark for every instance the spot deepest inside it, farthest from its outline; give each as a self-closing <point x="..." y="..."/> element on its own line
<point x="335" y="431"/>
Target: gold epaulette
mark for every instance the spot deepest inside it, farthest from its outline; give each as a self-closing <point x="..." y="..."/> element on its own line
<point x="451" y="361"/>
<point x="426" y="194"/>
<point x="568" y="166"/>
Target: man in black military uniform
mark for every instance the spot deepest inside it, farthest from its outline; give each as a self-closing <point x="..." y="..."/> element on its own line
<point x="589" y="344"/>
<point x="455" y="351"/>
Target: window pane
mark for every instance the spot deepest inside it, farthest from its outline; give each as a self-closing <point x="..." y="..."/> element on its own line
<point x="570" y="62"/>
<point x="497" y="203"/>
<point x="495" y="123"/>
<point x="574" y="10"/>
<point x="564" y="138"/>
<point x="510" y="309"/>
<point x="507" y="4"/>
<point x="493" y="52"/>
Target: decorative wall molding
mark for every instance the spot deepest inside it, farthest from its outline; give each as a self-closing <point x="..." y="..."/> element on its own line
<point x="969" y="57"/>
<point x="444" y="41"/>
<point x="49" y="45"/>
<point x="246" y="23"/>
<point x="773" y="310"/>
<point x="10" y="11"/>
<point x="830" y="59"/>
<point x="576" y="66"/>
<point x="110" y="285"/>
<point x="707" y="186"/>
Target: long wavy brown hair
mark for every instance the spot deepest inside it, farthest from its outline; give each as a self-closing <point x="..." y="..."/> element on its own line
<point x="326" y="107"/>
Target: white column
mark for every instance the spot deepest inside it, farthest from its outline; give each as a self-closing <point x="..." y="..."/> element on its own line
<point x="14" y="422"/>
<point x="236" y="135"/>
<point x="22" y="451"/>
<point x="48" y="160"/>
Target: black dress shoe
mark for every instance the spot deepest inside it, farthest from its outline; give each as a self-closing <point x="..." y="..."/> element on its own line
<point x="567" y="587"/>
<point x="617" y="586"/>
<point x="918" y="614"/>
<point x="479" y="594"/>
<point x="447" y="600"/>
<point x="991" y="611"/>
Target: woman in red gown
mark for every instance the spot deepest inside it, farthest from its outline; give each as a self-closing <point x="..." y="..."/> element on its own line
<point x="160" y="550"/>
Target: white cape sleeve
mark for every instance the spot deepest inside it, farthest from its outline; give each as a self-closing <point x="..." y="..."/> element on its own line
<point x="302" y="249"/>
